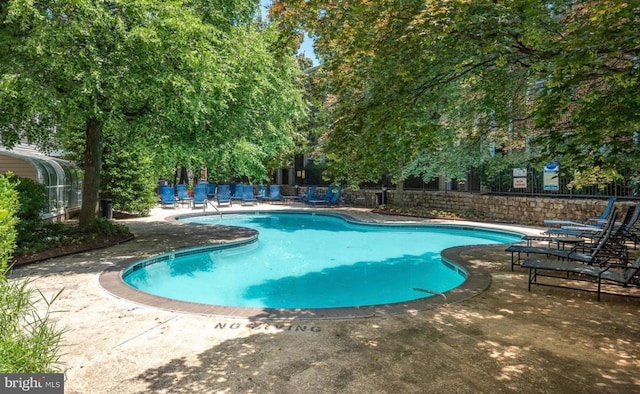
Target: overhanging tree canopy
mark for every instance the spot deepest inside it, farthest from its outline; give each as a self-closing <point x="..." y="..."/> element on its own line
<point x="166" y="73"/>
<point x="415" y="80"/>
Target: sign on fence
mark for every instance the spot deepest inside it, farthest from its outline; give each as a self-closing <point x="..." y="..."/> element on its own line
<point x="519" y="183"/>
<point x="519" y="172"/>
<point x="550" y="177"/>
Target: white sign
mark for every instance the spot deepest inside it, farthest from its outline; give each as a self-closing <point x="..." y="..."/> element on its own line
<point x="519" y="172"/>
<point x="519" y="183"/>
<point x="550" y="177"/>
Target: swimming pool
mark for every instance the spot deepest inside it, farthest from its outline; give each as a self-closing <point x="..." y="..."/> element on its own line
<point x="304" y="260"/>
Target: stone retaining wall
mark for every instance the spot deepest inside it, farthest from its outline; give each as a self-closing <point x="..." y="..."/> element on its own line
<point x="513" y="209"/>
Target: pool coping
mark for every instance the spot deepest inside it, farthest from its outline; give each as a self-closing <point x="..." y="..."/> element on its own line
<point x="477" y="281"/>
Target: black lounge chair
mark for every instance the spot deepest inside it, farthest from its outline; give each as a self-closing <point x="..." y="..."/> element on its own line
<point x="618" y="274"/>
<point x="601" y="249"/>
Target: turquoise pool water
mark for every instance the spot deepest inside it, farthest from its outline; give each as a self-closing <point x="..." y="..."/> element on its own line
<point x="312" y="261"/>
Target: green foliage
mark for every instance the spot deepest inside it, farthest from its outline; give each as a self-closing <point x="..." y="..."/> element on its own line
<point x="185" y="81"/>
<point x="32" y="196"/>
<point x="102" y="226"/>
<point x="29" y="340"/>
<point x="315" y="173"/>
<point x="55" y="235"/>
<point x="409" y="81"/>
<point x="8" y="210"/>
<point x="128" y="176"/>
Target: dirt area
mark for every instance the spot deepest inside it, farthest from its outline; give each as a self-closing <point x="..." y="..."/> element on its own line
<point x="98" y="243"/>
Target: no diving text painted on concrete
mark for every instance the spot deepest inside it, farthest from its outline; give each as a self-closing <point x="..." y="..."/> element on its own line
<point x="41" y="383"/>
<point x="264" y="326"/>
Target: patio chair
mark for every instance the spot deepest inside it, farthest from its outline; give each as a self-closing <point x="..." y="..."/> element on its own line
<point x="274" y="194"/>
<point x="596" y="222"/>
<point x="168" y="197"/>
<point x="182" y="191"/>
<point x="310" y="195"/>
<point x="200" y="194"/>
<point x="262" y="193"/>
<point x="224" y="195"/>
<point x="330" y="198"/>
<point x="627" y="231"/>
<point x="618" y="274"/>
<point x="587" y="231"/>
<point x="236" y="191"/>
<point x="247" y="195"/>
<point x="602" y="248"/>
<point x="211" y="191"/>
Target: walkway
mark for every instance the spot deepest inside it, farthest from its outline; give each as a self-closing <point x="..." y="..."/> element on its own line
<point x="503" y="340"/>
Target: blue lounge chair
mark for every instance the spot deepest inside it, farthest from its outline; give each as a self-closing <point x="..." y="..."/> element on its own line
<point x="167" y="197"/>
<point x="311" y="192"/>
<point x="182" y="191"/>
<point x="593" y="222"/>
<point x="262" y="192"/>
<point x="247" y="195"/>
<point x="236" y="191"/>
<point x="305" y="193"/>
<point x="200" y="194"/>
<point x="274" y="193"/>
<point x="211" y="191"/>
<point x="330" y="198"/>
<point x="224" y="195"/>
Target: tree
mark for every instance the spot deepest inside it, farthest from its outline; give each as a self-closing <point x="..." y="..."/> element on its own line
<point x="414" y="79"/>
<point x="160" y="73"/>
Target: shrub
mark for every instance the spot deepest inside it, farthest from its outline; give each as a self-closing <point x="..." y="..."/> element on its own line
<point x="29" y="341"/>
<point x="102" y="226"/>
<point x="32" y="197"/>
<point x="8" y="209"/>
<point x="128" y="177"/>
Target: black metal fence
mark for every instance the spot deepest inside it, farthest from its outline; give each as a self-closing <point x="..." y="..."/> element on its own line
<point x="531" y="182"/>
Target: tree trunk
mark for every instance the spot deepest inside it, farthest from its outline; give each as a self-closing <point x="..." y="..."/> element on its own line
<point x="92" y="164"/>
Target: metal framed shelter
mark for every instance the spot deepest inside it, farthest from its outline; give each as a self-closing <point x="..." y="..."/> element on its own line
<point x="62" y="179"/>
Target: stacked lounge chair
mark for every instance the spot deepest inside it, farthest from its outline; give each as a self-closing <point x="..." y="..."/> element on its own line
<point x="601" y="248"/>
<point x="570" y="227"/>
<point x="330" y="197"/>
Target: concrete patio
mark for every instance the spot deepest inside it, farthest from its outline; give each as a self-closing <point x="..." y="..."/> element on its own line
<point x="505" y="339"/>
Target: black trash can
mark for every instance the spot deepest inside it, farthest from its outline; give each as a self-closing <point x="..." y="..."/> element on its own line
<point x="381" y="197"/>
<point x="106" y="207"/>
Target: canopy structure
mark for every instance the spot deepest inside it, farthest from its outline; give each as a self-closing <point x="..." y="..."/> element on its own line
<point x="62" y="179"/>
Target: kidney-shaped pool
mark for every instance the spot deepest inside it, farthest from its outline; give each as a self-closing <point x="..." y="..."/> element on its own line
<point x="312" y="260"/>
